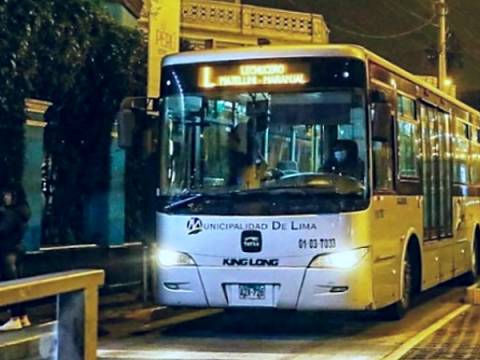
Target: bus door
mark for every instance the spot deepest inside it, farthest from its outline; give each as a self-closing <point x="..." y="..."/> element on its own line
<point x="436" y="173"/>
<point x="445" y="175"/>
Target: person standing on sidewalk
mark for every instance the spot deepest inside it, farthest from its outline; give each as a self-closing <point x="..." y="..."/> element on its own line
<point x="14" y="215"/>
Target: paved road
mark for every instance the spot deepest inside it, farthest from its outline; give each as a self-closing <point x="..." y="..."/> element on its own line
<point x="217" y="335"/>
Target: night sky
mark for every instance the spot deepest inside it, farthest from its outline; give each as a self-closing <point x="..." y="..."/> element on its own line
<point x="364" y="21"/>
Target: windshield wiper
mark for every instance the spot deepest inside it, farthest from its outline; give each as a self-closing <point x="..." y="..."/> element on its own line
<point x="262" y="192"/>
<point x="190" y="198"/>
<point x="196" y="196"/>
<point x="273" y="190"/>
<point x="298" y="190"/>
<point x="183" y="201"/>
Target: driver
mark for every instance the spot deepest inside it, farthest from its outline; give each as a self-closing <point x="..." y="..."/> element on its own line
<point x="344" y="160"/>
<point x="247" y="166"/>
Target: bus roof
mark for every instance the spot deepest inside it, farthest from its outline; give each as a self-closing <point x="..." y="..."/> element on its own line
<point x="292" y="51"/>
<point x="265" y="52"/>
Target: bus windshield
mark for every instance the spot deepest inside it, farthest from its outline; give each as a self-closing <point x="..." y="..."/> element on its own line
<point x="247" y="140"/>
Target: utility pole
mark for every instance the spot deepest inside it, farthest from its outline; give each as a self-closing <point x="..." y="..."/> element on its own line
<point x="442" y="11"/>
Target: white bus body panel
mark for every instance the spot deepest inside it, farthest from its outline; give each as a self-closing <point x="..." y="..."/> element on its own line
<point x="289" y="242"/>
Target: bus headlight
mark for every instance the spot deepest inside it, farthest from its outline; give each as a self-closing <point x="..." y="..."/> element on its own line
<point x="340" y="260"/>
<point x="167" y="257"/>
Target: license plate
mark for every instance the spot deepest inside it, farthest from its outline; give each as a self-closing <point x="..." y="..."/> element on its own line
<point x="252" y="292"/>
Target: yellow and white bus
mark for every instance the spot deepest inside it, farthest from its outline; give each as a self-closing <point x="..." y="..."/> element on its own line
<point x="311" y="178"/>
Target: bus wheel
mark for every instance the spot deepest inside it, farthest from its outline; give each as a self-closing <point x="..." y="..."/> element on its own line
<point x="398" y="310"/>
<point x="470" y="277"/>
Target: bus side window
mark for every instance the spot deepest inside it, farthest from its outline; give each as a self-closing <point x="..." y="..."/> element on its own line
<point x="462" y="150"/>
<point x="407" y="138"/>
<point x="382" y="166"/>
<point x="475" y="157"/>
<point x="382" y="141"/>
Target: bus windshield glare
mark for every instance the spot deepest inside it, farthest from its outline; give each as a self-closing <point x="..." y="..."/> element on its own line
<point x="261" y="130"/>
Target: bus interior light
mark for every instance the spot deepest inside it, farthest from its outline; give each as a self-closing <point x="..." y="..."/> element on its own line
<point x="167" y="257"/>
<point x="339" y="260"/>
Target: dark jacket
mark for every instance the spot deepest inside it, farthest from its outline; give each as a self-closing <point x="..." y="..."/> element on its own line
<point x="352" y="166"/>
<point x="13" y="221"/>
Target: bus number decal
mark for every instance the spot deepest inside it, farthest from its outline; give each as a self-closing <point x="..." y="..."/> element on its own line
<point x="317" y="243"/>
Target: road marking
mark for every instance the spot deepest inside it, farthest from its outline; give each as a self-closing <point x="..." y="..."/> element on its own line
<point x="422" y="335"/>
<point x="212" y="355"/>
<point x="191" y="355"/>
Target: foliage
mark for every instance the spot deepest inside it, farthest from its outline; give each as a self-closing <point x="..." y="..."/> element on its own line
<point x="15" y="31"/>
<point x="73" y="54"/>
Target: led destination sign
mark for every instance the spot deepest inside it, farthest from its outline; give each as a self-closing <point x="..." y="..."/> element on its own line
<point x="254" y="74"/>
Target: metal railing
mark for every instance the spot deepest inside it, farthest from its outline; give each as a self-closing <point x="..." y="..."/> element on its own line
<point x="77" y="307"/>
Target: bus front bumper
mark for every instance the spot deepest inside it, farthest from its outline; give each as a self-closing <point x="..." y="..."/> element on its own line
<point x="282" y="288"/>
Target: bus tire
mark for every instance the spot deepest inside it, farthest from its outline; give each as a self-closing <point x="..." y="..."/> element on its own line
<point x="398" y="310"/>
<point x="471" y="277"/>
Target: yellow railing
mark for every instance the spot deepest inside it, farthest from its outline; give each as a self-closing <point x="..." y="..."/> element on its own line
<point x="77" y="307"/>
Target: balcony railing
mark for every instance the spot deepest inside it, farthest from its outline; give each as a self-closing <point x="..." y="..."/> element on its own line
<point x="260" y="22"/>
<point x="230" y="22"/>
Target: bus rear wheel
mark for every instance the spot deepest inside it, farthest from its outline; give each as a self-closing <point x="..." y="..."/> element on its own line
<point x="398" y="310"/>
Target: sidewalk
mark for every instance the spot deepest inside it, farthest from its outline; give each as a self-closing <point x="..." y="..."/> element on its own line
<point x="458" y="339"/>
<point x="117" y="312"/>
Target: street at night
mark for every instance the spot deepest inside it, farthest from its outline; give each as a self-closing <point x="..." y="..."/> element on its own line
<point x="216" y="335"/>
<point x="213" y="334"/>
<point x="239" y="179"/>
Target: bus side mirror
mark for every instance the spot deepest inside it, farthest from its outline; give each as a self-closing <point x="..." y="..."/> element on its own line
<point x="381" y="121"/>
<point x="125" y="127"/>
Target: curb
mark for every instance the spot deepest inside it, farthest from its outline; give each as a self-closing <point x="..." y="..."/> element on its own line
<point x="398" y="353"/>
<point x="473" y="295"/>
<point x="37" y="342"/>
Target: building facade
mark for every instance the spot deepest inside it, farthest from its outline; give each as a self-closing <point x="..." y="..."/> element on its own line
<point x="213" y="23"/>
<point x="125" y="12"/>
